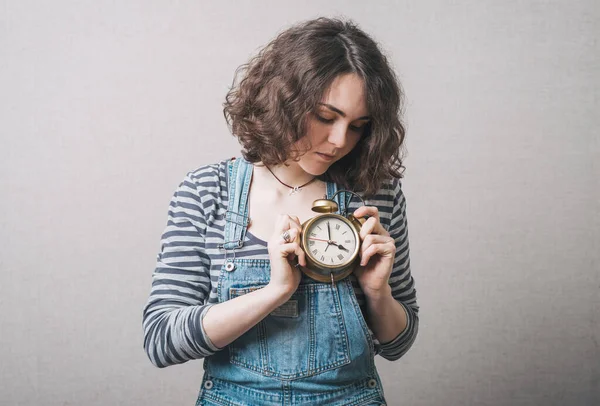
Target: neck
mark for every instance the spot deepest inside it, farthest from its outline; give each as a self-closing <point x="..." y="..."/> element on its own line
<point x="291" y="174"/>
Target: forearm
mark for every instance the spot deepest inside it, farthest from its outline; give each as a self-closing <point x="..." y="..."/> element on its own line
<point x="225" y="322"/>
<point x="172" y="333"/>
<point x="387" y="317"/>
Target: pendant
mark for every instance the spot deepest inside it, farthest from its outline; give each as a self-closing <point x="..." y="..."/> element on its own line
<point x="295" y="190"/>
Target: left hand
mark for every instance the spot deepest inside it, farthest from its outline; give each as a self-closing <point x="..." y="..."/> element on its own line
<point x="377" y="254"/>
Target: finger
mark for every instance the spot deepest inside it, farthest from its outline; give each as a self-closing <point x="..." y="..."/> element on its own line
<point x="367" y="227"/>
<point x="376" y="239"/>
<point x="295" y="220"/>
<point x="372" y="226"/>
<point x="294" y="223"/>
<point x="292" y="250"/>
<point x="385" y="249"/>
<point x="370" y="211"/>
<point x="293" y="234"/>
<point x="373" y="239"/>
<point x="282" y="223"/>
<point x="285" y="222"/>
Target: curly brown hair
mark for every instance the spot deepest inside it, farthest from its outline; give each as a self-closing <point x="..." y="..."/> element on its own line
<point x="273" y="94"/>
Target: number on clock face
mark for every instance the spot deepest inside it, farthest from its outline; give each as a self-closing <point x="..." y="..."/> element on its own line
<point x="331" y="241"/>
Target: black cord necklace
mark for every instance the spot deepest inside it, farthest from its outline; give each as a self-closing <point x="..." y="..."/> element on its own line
<point x="294" y="189"/>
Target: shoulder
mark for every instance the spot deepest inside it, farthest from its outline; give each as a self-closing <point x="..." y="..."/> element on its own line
<point x="206" y="175"/>
<point x="389" y="201"/>
<point x="206" y="183"/>
<point x="389" y="194"/>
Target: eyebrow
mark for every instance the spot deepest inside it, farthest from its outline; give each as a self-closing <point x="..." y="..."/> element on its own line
<point x="341" y="113"/>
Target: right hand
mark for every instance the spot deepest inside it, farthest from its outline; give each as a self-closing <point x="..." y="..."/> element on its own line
<point x="285" y="276"/>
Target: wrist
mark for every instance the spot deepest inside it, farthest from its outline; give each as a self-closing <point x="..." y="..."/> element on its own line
<point x="277" y="294"/>
<point x="379" y="295"/>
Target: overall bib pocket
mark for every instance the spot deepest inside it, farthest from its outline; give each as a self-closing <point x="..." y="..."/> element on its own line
<point x="305" y="336"/>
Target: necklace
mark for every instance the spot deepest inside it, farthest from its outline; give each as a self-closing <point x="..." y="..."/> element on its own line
<point x="294" y="189"/>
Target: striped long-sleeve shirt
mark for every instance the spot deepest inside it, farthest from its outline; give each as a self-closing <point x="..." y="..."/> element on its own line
<point x="184" y="282"/>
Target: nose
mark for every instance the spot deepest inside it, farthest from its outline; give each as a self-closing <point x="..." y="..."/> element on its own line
<point x="338" y="135"/>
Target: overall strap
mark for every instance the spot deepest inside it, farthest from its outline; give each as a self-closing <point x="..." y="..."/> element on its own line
<point x="239" y="175"/>
<point x="340" y="198"/>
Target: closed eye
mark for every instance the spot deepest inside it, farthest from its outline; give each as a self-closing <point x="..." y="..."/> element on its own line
<point x="324" y="120"/>
<point x="331" y="120"/>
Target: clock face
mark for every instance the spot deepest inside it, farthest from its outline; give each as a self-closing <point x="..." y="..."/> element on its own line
<point x="331" y="241"/>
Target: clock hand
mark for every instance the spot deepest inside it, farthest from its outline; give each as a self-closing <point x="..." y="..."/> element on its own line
<point x="340" y="246"/>
<point x="329" y="242"/>
<point x="328" y="232"/>
<point x="318" y="239"/>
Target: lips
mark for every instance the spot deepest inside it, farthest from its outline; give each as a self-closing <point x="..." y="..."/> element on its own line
<point x="326" y="156"/>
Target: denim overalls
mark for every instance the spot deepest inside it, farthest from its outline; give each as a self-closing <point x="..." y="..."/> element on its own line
<point x="313" y="350"/>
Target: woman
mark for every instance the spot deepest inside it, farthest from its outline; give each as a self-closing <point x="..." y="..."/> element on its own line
<point x="315" y="111"/>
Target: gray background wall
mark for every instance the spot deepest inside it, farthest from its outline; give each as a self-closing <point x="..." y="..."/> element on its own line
<point x="104" y="106"/>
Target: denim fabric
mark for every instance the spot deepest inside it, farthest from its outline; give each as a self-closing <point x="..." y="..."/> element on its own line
<point x="314" y="350"/>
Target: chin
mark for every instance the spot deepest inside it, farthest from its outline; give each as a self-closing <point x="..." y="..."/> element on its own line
<point x="314" y="168"/>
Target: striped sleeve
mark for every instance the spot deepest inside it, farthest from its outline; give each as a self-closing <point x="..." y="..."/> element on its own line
<point x="401" y="280"/>
<point x="172" y="317"/>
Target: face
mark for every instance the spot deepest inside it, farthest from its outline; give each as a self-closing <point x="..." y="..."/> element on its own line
<point x="336" y="126"/>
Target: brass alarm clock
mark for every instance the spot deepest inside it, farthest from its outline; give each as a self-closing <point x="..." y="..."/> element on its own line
<point x="331" y="242"/>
